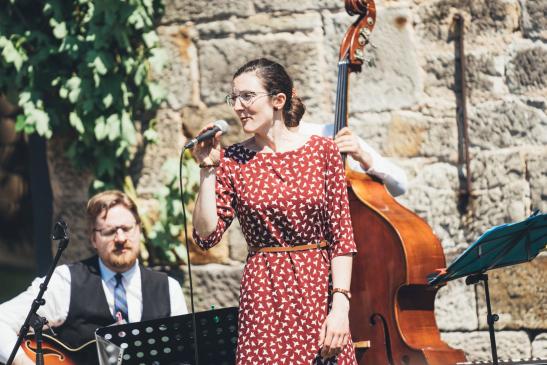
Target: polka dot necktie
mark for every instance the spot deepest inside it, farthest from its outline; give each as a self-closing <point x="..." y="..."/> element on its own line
<point x="120" y="300"/>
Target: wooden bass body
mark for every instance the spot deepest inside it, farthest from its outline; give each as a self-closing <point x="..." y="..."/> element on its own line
<point x="392" y="305"/>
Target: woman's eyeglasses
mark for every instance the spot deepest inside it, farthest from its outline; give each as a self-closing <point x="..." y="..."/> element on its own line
<point x="246" y="97"/>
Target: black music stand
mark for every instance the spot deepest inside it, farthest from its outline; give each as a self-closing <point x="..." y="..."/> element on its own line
<point x="500" y="246"/>
<point x="170" y="341"/>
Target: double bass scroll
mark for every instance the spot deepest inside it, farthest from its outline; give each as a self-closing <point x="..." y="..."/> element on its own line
<point x="392" y="304"/>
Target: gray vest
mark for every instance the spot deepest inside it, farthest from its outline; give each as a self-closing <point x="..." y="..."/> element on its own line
<point x="89" y="310"/>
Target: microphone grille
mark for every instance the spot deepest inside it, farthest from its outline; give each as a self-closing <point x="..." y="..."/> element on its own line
<point x="222" y="125"/>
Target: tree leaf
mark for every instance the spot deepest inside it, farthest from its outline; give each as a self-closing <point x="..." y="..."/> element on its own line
<point x="59" y="29"/>
<point x="107" y="100"/>
<point x="150" y="39"/>
<point x="73" y="85"/>
<point x="11" y="54"/>
<point x="100" y="129"/>
<point x="151" y="135"/>
<point x="99" y="65"/>
<point x="128" y="129"/>
<point x="158" y="60"/>
<point x="113" y="127"/>
<point x="41" y="121"/>
<point x="76" y="122"/>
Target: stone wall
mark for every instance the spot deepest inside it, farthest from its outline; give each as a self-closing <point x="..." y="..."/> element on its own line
<point x="404" y="105"/>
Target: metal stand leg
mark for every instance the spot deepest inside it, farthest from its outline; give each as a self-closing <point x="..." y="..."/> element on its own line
<point x="491" y="318"/>
<point x="38" y="324"/>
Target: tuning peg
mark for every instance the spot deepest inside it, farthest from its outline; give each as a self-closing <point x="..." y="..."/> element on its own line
<point x="359" y="55"/>
<point x="365" y="34"/>
<point x="369" y="61"/>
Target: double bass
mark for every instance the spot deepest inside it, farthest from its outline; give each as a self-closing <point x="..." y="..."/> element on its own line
<point x="392" y="307"/>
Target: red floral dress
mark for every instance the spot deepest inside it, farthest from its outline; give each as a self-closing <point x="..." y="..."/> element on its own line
<point x="285" y="199"/>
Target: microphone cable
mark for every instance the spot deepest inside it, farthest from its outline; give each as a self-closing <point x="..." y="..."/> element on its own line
<point x="186" y="242"/>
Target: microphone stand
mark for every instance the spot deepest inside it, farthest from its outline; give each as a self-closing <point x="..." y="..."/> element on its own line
<point x="60" y="233"/>
<point x="187" y="244"/>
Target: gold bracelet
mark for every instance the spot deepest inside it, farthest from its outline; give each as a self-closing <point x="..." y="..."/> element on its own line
<point x="346" y="293"/>
<point x="204" y="165"/>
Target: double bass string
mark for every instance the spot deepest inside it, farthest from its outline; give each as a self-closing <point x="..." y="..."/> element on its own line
<point x="341" y="98"/>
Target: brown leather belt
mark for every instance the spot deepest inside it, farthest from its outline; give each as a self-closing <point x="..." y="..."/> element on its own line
<point x="311" y="246"/>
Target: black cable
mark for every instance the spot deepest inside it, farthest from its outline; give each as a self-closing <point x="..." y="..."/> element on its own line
<point x="194" y="325"/>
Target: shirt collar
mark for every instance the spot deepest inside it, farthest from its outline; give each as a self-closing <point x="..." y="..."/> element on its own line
<point x="108" y="274"/>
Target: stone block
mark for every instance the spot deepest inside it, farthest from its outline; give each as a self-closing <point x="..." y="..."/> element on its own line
<point x="195" y="118"/>
<point x="506" y="123"/>
<point x="69" y="188"/>
<point x="407" y="132"/>
<point x="539" y="346"/>
<point x="266" y="6"/>
<point x="535" y="101"/>
<point x="73" y="213"/>
<point x="456" y="307"/>
<point x="410" y="134"/>
<point x="518" y="295"/>
<point x="149" y="162"/>
<point x="8" y="134"/>
<point x="483" y="75"/>
<point x="180" y="11"/>
<point x="482" y="18"/>
<point x="497" y="206"/>
<point x="527" y="68"/>
<point x="500" y="192"/>
<point x="179" y="77"/>
<point x="214" y="284"/>
<point x="432" y="196"/>
<point x="534" y="22"/>
<point x="536" y="169"/>
<point x="373" y="128"/>
<point x="476" y="345"/>
<point x="262" y="23"/>
<point x="492" y="170"/>
<point x="393" y="80"/>
<point x="8" y="105"/>
<point x="301" y="55"/>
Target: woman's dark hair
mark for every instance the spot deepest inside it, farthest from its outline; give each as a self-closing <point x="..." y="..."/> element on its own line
<point x="276" y="80"/>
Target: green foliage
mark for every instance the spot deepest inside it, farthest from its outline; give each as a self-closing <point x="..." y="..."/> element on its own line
<point x="165" y="235"/>
<point x="82" y="69"/>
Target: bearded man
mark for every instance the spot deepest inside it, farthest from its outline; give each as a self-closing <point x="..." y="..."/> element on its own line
<point x="110" y="287"/>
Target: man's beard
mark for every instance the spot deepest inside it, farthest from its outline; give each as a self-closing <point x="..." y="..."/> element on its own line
<point x="123" y="260"/>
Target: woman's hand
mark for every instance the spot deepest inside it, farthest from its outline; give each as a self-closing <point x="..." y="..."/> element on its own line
<point x="208" y="151"/>
<point x="348" y="142"/>
<point x="334" y="333"/>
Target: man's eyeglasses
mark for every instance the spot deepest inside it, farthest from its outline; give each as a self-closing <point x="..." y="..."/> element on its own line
<point x="110" y="233"/>
<point x="245" y="97"/>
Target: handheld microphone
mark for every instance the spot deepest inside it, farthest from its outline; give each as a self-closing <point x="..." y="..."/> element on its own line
<point x="220" y="126"/>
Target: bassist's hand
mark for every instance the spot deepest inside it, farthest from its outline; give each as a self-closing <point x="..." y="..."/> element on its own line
<point x="348" y="142"/>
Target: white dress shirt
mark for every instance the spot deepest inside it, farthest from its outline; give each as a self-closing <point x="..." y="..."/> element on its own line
<point x="393" y="176"/>
<point x="57" y="297"/>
